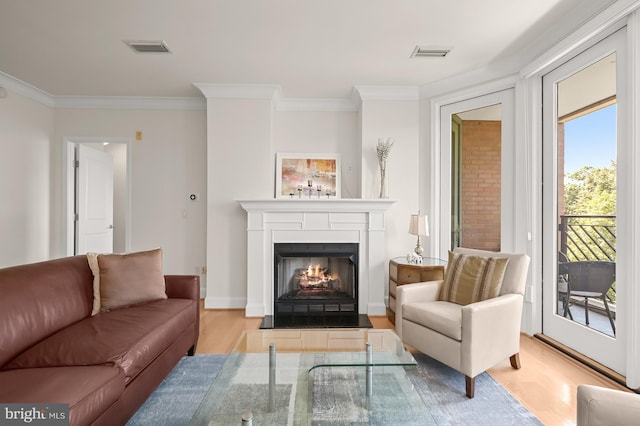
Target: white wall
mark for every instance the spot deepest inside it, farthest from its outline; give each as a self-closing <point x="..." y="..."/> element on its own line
<point x="26" y="129"/>
<point x="325" y="133"/>
<point x="398" y="120"/>
<point x="426" y="174"/>
<point x="168" y="164"/>
<point x="240" y="166"/>
<point x="243" y="138"/>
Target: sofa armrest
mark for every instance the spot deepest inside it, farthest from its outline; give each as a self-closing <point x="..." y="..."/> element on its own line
<point x="186" y="287"/>
<point x="427" y="291"/>
<point x="182" y="286"/>
<point x="490" y="332"/>
<point x="601" y="406"/>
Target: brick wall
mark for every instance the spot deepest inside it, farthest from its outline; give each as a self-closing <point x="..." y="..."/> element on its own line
<point x="480" y="181"/>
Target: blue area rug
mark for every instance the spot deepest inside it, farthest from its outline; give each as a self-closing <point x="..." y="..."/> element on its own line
<point x="441" y="388"/>
<point x="174" y="402"/>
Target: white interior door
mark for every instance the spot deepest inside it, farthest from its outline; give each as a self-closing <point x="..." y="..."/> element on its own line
<point x="582" y="87"/>
<point x="94" y="201"/>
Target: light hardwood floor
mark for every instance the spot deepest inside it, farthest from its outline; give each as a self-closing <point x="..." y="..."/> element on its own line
<point x="546" y="384"/>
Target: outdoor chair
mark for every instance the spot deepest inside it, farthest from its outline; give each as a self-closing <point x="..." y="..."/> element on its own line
<point x="563" y="286"/>
<point x="590" y="279"/>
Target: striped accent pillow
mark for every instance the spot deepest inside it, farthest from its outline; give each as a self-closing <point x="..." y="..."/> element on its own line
<point x="470" y="279"/>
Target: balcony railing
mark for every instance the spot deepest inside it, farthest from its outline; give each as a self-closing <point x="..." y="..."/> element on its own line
<point x="588" y="237"/>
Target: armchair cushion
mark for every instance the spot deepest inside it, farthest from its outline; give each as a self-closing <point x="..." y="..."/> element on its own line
<point x="471" y="279"/>
<point x="443" y="317"/>
<point x="602" y="406"/>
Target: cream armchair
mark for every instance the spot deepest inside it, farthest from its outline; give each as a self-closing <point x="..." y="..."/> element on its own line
<point x="471" y="338"/>
<point x="598" y="406"/>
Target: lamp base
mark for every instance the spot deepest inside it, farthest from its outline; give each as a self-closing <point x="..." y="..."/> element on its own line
<point x="419" y="250"/>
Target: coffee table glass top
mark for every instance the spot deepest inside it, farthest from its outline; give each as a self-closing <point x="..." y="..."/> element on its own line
<point x="317" y="376"/>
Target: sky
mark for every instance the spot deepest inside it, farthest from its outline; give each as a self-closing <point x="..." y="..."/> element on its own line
<point x="590" y="140"/>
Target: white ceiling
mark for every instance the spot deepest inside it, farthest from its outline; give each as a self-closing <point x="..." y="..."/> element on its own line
<point x="311" y="48"/>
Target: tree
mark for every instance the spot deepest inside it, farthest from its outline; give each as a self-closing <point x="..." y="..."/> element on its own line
<point x="591" y="191"/>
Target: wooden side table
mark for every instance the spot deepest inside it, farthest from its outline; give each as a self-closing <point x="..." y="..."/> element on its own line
<point x="402" y="272"/>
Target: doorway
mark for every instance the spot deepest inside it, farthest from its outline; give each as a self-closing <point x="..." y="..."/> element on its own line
<point x="581" y="214"/>
<point x="476" y="155"/>
<point x="119" y="150"/>
<point x="476" y="178"/>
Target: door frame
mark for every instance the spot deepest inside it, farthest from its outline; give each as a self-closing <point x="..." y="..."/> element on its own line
<point x="68" y="187"/>
<point x="505" y="97"/>
<point x="456" y="180"/>
<point x="432" y="154"/>
<point x="616" y="16"/>
<point x="607" y="350"/>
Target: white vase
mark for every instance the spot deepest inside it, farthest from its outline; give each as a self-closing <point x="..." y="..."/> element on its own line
<point x="384" y="182"/>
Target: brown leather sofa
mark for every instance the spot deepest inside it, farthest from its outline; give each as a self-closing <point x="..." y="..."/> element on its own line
<point x="104" y="366"/>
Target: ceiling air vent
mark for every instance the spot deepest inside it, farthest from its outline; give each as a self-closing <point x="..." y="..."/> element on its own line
<point x="148" y="46"/>
<point x="425" y="52"/>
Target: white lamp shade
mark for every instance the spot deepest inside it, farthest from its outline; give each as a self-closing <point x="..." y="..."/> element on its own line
<point x="419" y="225"/>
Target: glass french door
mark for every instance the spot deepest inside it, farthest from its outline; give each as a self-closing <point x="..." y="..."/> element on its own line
<point x="581" y="214"/>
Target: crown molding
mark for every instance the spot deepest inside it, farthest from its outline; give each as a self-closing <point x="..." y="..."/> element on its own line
<point x="386" y="93"/>
<point x="486" y="78"/>
<point x="19" y="87"/>
<point x="604" y="22"/>
<point x="129" y="102"/>
<point x="14" y="85"/>
<point x="213" y="91"/>
<point x="315" y="105"/>
<point x="238" y="91"/>
<point x="274" y="93"/>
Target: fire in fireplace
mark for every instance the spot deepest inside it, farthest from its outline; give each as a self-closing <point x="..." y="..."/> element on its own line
<point x="315" y="279"/>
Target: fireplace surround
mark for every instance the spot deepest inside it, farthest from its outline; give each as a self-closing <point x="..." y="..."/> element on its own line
<point x="286" y="221"/>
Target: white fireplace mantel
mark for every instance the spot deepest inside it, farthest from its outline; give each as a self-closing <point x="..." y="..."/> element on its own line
<point x="271" y="221"/>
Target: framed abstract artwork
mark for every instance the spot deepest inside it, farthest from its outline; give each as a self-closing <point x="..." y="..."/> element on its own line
<point x="307" y="176"/>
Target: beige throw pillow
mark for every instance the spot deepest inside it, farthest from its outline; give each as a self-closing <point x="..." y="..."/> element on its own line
<point x="92" y="258"/>
<point x="128" y="279"/>
<point x="470" y="279"/>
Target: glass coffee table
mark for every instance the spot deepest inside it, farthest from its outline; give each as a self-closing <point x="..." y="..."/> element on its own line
<point x="314" y="376"/>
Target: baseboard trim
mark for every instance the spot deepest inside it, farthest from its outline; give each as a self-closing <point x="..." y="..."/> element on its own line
<point x="224" y="303"/>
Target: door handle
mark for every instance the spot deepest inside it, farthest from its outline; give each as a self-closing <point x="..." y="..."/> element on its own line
<point x="110" y="227"/>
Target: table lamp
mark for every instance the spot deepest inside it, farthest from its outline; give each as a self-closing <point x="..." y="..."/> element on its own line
<point x="419" y="225"/>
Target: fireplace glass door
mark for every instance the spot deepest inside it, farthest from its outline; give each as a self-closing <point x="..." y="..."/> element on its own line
<point x="316" y="278"/>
